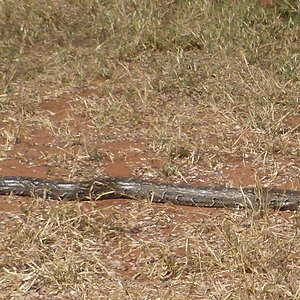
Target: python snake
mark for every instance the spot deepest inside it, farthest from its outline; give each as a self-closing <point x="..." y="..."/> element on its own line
<point x="107" y="188"/>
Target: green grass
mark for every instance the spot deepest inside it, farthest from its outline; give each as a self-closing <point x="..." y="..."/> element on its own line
<point x="79" y="38"/>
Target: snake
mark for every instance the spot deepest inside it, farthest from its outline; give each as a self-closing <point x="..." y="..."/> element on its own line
<point x="157" y="192"/>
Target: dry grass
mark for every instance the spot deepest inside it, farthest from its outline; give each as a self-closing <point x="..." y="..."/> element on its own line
<point x="211" y="89"/>
<point x="140" y="251"/>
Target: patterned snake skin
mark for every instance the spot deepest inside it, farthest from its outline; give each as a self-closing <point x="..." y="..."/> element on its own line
<point x="106" y="188"/>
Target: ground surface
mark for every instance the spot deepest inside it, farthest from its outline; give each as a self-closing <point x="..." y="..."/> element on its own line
<point x="204" y="93"/>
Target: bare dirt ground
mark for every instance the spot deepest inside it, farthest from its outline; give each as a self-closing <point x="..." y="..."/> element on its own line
<point x="188" y="107"/>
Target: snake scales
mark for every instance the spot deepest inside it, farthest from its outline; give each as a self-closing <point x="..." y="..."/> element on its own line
<point x="106" y="188"/>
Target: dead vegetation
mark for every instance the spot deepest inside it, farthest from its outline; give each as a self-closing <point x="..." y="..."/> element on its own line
<point x="137" y="251"/>
<point x="205" y="92"/>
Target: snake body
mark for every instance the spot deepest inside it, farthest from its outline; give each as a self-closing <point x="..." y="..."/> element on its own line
<point x="107" y="188"/>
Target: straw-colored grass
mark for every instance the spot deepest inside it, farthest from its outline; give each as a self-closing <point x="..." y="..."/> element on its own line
<point x="210" y="89"/>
